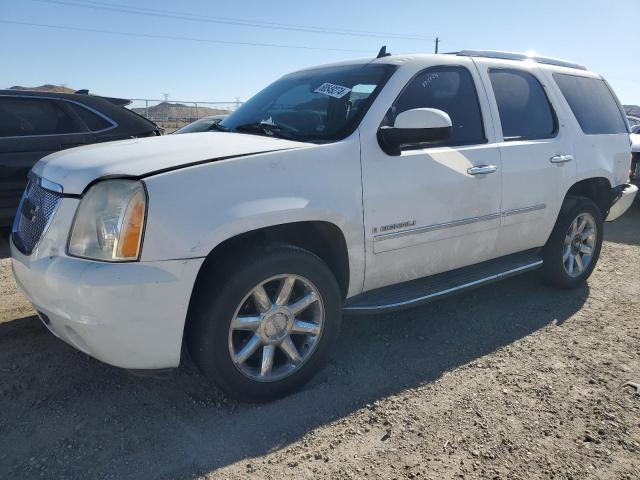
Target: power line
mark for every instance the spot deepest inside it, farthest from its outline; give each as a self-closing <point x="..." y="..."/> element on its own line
<point x="177" y="15"/>
<point x="173" y="37"/>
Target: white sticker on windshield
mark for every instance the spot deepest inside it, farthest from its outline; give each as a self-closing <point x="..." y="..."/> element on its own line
<point x="335" y="91"/>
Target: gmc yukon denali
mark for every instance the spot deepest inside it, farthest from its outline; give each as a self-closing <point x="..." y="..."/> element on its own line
<point x="357" y="187"/>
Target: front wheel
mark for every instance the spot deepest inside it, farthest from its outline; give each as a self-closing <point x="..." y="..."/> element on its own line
<point x="571" y="253"/>
<point x="269" y="326"/>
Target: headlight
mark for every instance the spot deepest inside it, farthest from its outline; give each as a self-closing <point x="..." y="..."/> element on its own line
<point x="110" y="221"/>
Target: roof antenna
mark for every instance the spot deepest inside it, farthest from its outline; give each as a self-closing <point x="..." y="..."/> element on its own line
<point x="383" y="52"/>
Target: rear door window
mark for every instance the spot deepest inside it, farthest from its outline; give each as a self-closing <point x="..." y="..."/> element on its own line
<point x="20" y="117"/>
<point x="525" y="111"/>
<point x="592" y="103"/>
<point x="450" y="89"/>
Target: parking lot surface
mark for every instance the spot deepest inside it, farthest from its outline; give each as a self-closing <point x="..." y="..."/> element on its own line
<point x="513" y="380"/>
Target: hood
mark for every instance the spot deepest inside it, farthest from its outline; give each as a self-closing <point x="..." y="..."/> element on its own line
<point x="635" y="142"/>
<point x="77" y="167"/>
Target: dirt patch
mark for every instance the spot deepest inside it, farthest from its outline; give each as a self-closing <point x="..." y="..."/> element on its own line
<point x="514" y="380"/>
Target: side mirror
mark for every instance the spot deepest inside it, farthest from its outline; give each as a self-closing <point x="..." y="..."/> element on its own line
<point x="635" y="129"/>
<point x="415" y="127"/>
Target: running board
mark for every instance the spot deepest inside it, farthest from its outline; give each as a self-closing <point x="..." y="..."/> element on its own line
<point x="424" y="290"/>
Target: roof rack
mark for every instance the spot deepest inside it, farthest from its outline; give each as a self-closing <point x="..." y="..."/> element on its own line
<point x="520" y="57"/>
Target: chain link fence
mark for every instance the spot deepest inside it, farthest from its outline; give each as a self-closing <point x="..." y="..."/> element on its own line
<point x="174" y="114"/>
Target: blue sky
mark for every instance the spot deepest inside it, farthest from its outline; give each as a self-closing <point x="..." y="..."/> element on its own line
<point x="593" y="32"/>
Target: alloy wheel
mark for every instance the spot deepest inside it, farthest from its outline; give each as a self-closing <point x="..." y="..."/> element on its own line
<point x="276" y="327"/>
<point x="579" y="244"/>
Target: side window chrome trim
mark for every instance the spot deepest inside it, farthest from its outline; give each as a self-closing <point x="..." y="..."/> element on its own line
<point x="45" y="135"/>
<point x="113" y="123"/>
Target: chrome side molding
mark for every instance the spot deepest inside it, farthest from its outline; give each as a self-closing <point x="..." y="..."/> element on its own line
<point x="438" y="226"/>
<point x="456" y="223"/>
<point x="517" y="211"/>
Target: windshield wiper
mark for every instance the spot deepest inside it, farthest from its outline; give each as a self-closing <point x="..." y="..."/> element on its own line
<point x="263" y="128"/>
<point x="218" y="127"/>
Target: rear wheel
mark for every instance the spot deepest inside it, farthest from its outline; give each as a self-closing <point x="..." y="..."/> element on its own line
<point x="268" y="326"/>
<point x="573" y="248"/>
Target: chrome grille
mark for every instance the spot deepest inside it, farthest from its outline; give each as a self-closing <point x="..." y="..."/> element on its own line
<point x="36" y="209"/>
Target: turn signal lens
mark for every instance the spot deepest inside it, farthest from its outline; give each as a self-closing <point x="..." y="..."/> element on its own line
<point x="131" y="234"/>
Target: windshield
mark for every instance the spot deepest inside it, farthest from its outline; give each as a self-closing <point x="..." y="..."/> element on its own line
<point x="324" y="104"/>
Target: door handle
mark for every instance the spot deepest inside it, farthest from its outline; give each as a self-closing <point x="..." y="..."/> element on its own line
<point x="482" y="169"/>
<point x="561" y="158"/>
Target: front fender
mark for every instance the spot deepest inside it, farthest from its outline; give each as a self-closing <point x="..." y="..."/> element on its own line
<point x="254" y="215"/>
<point x="193" y="210"/>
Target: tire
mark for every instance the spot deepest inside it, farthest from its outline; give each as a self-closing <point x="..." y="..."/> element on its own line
<point x="560" y="270"/>
<point x="218" y="345"/>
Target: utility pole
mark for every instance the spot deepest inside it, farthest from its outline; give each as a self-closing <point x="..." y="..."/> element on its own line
<point x="437" y="42"/>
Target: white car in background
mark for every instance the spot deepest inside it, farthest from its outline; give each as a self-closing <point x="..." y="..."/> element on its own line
<point x="365" y="186"/>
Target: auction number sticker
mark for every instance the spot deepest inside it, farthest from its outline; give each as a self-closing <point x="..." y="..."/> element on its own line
<point x="335" y="91"/>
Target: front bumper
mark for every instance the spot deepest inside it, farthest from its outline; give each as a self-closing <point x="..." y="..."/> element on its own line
<point x="129" y="315"/>
<point x="622" y="198"/>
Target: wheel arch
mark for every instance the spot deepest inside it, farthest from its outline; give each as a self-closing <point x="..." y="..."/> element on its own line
<point x="596" y="189"/>
<point x="323" y="238"/>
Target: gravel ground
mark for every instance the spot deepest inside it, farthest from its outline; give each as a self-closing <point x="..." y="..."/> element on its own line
<point x="514" y="380"/>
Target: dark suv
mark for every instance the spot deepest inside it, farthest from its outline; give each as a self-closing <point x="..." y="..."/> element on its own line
<point x="34" y="124"/>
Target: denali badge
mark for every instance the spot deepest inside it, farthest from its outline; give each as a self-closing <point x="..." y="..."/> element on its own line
<point x="394" y="226"/>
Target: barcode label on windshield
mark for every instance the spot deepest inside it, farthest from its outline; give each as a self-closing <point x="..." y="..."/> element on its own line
<point x="336" y="91"/>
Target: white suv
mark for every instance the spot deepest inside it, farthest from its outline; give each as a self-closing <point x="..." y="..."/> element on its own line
<point x="362" y="187"/>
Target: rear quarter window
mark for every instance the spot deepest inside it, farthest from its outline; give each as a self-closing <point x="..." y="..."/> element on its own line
<point x="94" y="122"/>
<point x="592" y="103"/>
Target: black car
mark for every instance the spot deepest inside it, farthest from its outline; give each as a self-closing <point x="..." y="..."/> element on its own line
<point x="34" y="124"/>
